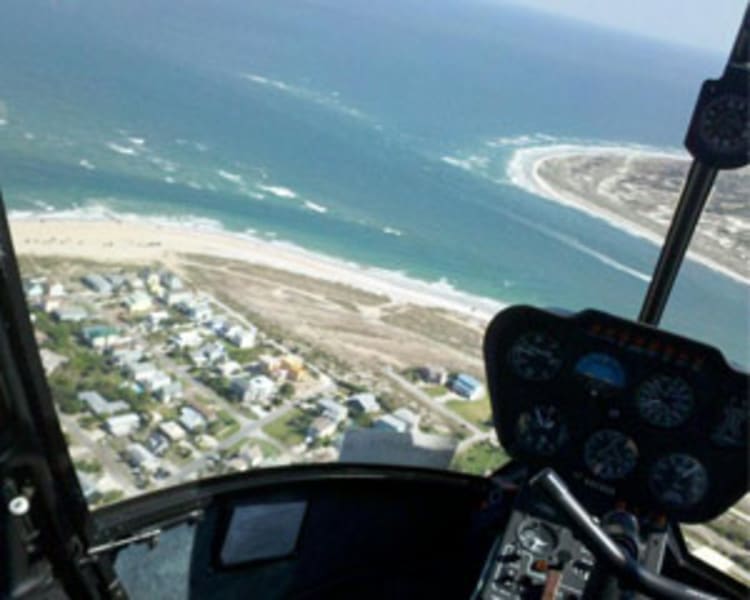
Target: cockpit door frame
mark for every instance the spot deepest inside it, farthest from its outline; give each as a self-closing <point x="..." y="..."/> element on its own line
<point x="44" y="521"/>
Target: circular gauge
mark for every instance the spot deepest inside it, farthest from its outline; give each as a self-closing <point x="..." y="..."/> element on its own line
<point x="724" y="125"/>
<point x="732" y="429"/>
<point x="610" y="454"/>
<point x="678" y="480"/>
<point x="601" y="373"/>
<point x="541" y="430"/>
<point x="536" y="356"/>
<point x="665" y="401"/>
<point x="537" y="537"/>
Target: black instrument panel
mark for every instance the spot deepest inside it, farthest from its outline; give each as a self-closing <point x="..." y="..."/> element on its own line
<point x="634" y="412"/>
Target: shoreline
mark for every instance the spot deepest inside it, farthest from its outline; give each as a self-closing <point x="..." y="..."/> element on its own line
<point x="523" y="172"/>
<point x="112" y="237"/>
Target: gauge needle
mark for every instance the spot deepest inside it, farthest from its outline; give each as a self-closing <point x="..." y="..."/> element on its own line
<point x="689" y="471"/>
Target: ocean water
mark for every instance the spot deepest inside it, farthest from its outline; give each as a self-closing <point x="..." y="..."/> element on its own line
<point x="373" y="131"/>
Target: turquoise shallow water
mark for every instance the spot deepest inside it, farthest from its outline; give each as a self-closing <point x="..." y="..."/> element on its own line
<point x="328" y="123"/>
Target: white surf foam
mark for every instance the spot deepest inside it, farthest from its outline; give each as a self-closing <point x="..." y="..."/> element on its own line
<point x="470" y="163"/>
<point x="318" y="208"/>
<point x="436" y="293"/>
<point x="331" y="101"/>
<point x="229" y="176"/>
<point x="279" y="191"/>
<point x="124" y="150"/>
<point x="392" y="231"/>
<point x="86" y="164"/>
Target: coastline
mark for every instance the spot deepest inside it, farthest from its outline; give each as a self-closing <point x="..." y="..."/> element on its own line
<point x="523" y="171"/>
<point x="110" y="237"/>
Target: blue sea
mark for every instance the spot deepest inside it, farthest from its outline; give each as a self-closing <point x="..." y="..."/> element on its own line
<point x="338" y="126"/>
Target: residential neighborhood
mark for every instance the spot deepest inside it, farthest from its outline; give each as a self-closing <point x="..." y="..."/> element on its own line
<point x="157" y="383"/>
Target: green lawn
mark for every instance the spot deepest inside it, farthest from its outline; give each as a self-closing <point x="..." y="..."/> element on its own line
<point x="291" y="428"/>
<point x="435" y="390"/>
<point x="475" y="411"/>
<point x="480" y="459"/>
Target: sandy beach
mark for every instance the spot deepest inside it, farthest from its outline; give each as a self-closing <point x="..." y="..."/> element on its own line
<point x="614" y="184"/>
<point x="138" y="241"/>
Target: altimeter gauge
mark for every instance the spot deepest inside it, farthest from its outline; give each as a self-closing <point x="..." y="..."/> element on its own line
<point x="665" y="401"/>
<point x="536" y="356"/>
<point x="541" y="430"/>
<point x="678" y="480"/>
<point x="610" y="454"/>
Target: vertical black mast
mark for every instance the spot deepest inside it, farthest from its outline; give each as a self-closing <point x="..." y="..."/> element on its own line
<point x="718" y="138"/>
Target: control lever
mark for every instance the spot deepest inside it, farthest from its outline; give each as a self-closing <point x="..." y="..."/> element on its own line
<point x="624" y="566"/>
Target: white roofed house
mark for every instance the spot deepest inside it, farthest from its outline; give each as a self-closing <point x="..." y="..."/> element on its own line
<point x="123" y="356"/>
<point x="55" y="290"/>
<point x="242" y="337"/>
<point x="99" y="405"/>
<point x="140" y="458"/>
<point x="175" y="297"/>
<point x="168" y="393"/>
<point x="101" y="337"/>
<point x="138" y="302"/>
<point x="97" y="283"/>
<point x="155" y="318"/>
<point x="364" y="403"/>
<point x="51" y="303"/>
<point x="140" y="371"/>
<point x="72" y="314"/>
<point x="198" y="312"/>
<point x="172" y="430"/>
<point x="228" y="368"/>
<point x="257" y="389"/>
<point x="158" y="380"/>
<point x="187" y="339"/>
<point x="192" y="419"/>
<point x="320" y="428"/>
<point x="212" y="352"/>
<point x="332" y="410"/>
<point x="409" y="417"/>
<point x="122" y="425"/>
<point x="390" y="423"/>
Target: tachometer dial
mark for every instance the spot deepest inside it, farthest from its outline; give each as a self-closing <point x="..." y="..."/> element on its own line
<point x="537" y="537"/>
<point x="665" y="401"/>
<point x="678" y="480"/>
<point x="610" y="454"/>
<point x="600" y="373"/>
<point x="541" y="430"/>
<point x="536" y="356"/>
<point x="732" y="430"/>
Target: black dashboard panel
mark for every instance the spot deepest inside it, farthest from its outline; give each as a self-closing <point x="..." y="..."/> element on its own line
<point x="629" y="411"/>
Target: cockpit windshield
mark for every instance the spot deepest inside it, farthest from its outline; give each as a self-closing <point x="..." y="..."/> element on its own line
<point x="260" y="234"/>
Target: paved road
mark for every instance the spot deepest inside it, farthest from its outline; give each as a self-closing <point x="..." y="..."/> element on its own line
<point x="103" y="453"/>
<point x="251" y="428"/>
